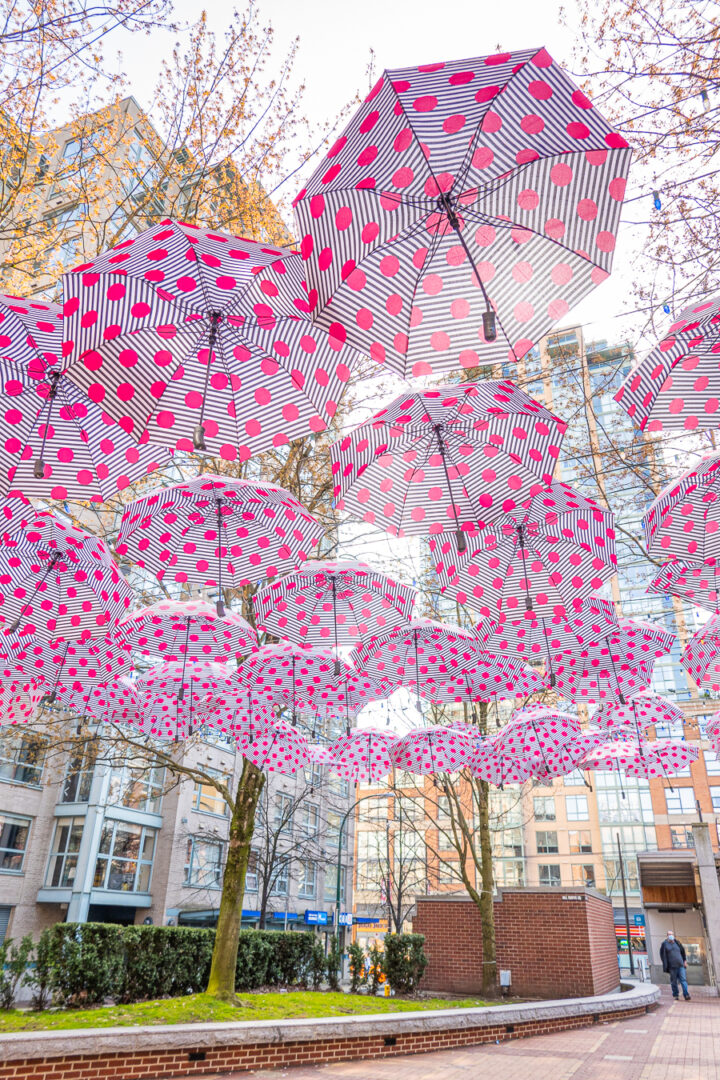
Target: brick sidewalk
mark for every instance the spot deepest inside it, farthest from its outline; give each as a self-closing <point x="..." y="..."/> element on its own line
<point x="678" y="1041"/>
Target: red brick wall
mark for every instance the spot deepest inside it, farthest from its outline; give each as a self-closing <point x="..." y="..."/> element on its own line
<point x="216" y="1060"/>
<point x="554" y="947"/>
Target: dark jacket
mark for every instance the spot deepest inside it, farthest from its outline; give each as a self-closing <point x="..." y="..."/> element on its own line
<point x="672" y="954"/>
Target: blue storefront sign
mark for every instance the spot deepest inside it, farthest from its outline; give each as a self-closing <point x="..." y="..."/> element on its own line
<point x="345" y="919"/>
<point x="316" y="918"/>
<point x="280" y="916"/>
<point x="639" y="920"/>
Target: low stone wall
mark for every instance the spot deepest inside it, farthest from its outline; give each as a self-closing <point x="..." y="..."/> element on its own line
<point x="185" y="1050"/>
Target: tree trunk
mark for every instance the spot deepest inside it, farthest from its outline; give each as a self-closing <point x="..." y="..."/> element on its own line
<point x="487" y="910"/>
<point x="221" y="983"/>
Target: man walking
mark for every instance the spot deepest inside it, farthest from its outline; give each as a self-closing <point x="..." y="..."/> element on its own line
<point x="672" y="954"/>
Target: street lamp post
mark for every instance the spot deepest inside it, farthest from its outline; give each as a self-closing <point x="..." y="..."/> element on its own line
<point x="343" y="823"/>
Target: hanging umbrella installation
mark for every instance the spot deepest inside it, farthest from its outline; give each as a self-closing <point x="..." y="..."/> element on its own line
<point x="205" y="340"/>
<point x="545" y="557"/>
<point x="699" y="583"/>
<point x="496" y="765"/>
<point x="455" y="458"/>
<point x="701" y="655"/>
<point x="176" y="699"/>
<point x="640" y="711"/>
<point x="20" y="700"/>
<point x="188" y="630"/>
<point x="75" y="666"/>
<point x="293" y="674"/>
<point x="532" y="733"/>
<point x="684" y="520"/>
<point x="218" y="532"/>
<point x="676" y="388"/>
<point x="614" y="666"/>
<point x="431" y="750"/>
<point x="659" y="758"/>
<point x="491" y="677"/>
<point x="425" y="649"/>
<point x="364" y="754"/>
<point x="465" y="209"/>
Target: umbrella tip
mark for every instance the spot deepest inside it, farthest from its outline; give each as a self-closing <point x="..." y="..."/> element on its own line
<point x="528" y="603"/>
<point x="39" y="469"/>
<point x="199" y="437"/>
<point x="553" y="681"/>
<point x="337" y="668"/>
<point x="50" y="698"/>
<point x="220" y="609"/>
<point x="489" y="326"/>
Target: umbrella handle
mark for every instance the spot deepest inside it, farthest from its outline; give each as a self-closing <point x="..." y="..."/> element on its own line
<point x="199" y="430"/>
<point x="336" y="666"/>
<point x="56" y="556"/>
<point x="461" y="538"/>
<point x="39" y="464"/>
<point x="220" y="604"/>
<point x="521" y="545"/>
<point x="181" y="691"/>
<point x="489" y="317"/>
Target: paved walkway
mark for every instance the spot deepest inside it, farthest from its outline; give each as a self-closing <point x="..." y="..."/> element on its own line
<point x="678" y="1041"/>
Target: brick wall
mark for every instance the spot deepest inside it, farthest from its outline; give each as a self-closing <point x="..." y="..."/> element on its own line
<point x="557" y="943"/>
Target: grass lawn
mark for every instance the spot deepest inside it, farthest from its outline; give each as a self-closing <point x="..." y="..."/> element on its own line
<point x="199" y="1008"/>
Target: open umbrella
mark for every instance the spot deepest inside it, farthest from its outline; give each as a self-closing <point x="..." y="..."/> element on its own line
<point x="676" y="386"/>
<point x="641" y="758"/>
<point x="533" y="733"/>
<point x="58" y="581"/>
<point x="337" y="603"/>
<point x="205" y="340"/>
<point x="295" y="675"/>
<point x="352" y="692"/>
<point x="694" y="581"/>
<point x="423" y="649"/>
<point x="19" y="700"/>
<point x="431" y="750"/>
<point x="455" y="457"/>
<point x="175" y="699"/>
<point x="491" y="677"/>
<point x="188" y="630"/>
<point x="364" y="754"/>
<point x="684" y="520"/>
<point x="615" y="665"/>
<point x="642" y="710"/>
<point x="493" y="763"/>
<point x="546" y="556"/>
<point x="466" y="207"/>
<point x="217" y="531"/>
<point x="73" y="665"/>
<point x="277" y="747"/>
<point x="58" y="443"/>
<point x="701" y="655"/>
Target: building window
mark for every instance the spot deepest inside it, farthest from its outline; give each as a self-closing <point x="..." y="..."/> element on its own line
<point x="79" y="773"/>
<point x="283" y="813"/>
<point x="207" y="799"/>
<point x="310" y="819"/>
<point x="544" y="808"/>
<point x="251" y="874"/>
<point x="583" y="874"/>
<point x="681" y="836"/>
<point x="330" y="888"/>
<point x="681" y="800"/>
<point x="375" y="809"/>
<point x="574" y="779"/>
<point x="509" y="872"/>
<point x="14" y="832"/>
<point x="712" y="764"/>
<point x="338" y="786"/>
<point x="715" y="796"/>
<point x="281" y="882"/>
<point x="409" y="809"/>
<point x="314" y="775"/>
<point x="576" y="807"/>
<point x="204" y="863"/>
<point x="21" y="760"/>
<point x="332" y="830"/>
<point x="308" y="880"/>
<point x="64" y="856"/>
<point x="547" y="842"/>
<point x="138" y="789"/>
<point x="549" y="874"/>
<point x="580" y="841"/>
<point x="125" y="857"/>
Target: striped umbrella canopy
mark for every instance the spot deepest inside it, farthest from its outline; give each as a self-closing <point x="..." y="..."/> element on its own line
<point x="466" y="208"/>
<point x="448" y="458"/>
<point x="205" y="340"/>
<point x="217" y="532"/>
<point x="350" y="696"/>
<point x="642" y="710"/>
<point x="492" y="677"/>
<point x="74" y="666"/>
<point x="58" y="444"/>
<point x="498" y="766"/>
<point x="425" y="649"/>
<point x="534" y="731"/>
<point x="694" y="581"/>
<point x="431" y="750"/>
<point x="364" y="754"/>
<point x="613" y="666"/>
<point x="58" y="581"/>
<point x="19" y="700"/>
<point x="684" y="520"/>
<point x="337" y="603"/>
<point x="561" y="760"/>
<point x="546" y="556"/>
<point x="188" y="630"/>
<point x="115" y="702"/>
<point x="295" y="675"/>
<point x="533" y="639"/>
<point x="276" y="747"/>
<point x="642" y="758"/>
<point x="676" y="386"/>
<point x="176" y="699"/>
<point x="701" y="655"/>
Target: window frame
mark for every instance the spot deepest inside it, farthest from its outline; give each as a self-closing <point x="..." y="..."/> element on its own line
<point x="110" y="857"/>
<point x="16" y="821"/>
<point x="193" y="843"/>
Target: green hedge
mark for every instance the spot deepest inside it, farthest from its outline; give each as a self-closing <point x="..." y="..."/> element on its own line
<point x="86" y="963"/>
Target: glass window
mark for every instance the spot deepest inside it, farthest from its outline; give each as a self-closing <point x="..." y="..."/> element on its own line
<point x="208" y="799"/>
<point x="307" y="880"/>
<point x="251" y="874"/>
<point x="314" y="774"/>
<point x="681" y="800"/>
<point x="64" y="855"/>
<point x="330" y="886"/>
<point x="125" y="857"/>
<point x="712" y="764"/>
<point x="574" y="779"/>
<point x="509" y="872"/>
<point x="283" y="809"/>
<point x="613" y="883"/>
<point x="549" y="874"/>
<point x="21" y="760"/>
<point x="281" y="881"/>
<point x="79" y="772"/>
<point x="204" y="863"/>
<point x="583" y="874"/>
<point x="715" y="796"/>
<point x="576" y="807"/>
<point x="137" y="789"/>
<point x="14" y="832"/>
<point x="544" y="808"/>
<point x="337" y="786"/>
<point x="547" y="842"/>
<point x="449" y="872"/>
<point x="681" y="836"/>
<point x="375" y="809"/>
<point x="333" y="827"/>
<point x="579" y="841"/>
<point x="410" y="809"/>
<point x="310" y="819"/>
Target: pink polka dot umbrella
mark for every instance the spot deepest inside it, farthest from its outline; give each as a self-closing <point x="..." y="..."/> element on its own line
<point x="116" y="702"/>
<point x="640" y="711"/>
<point x="58" y="443"/>
<point x="492" y="677"/>
<point x="296" y="675"/>
<point x="188" y="630"/>
<point x="277" y="747"/>
<point x="217" y="531"/>
<point x="354" y="690"/>
<point x="175" y="700"/>
<point x="425" y="649"/>
<point x="432" y="750"/>
<point x="546" y="556"/>
<point x="205" y="340"/>
<point x="498" y="766"/>
<point x="57" y="581"/>
<point x="697" y="582"/>
<point x="465" y="208"/>
<point x="535" y="735"/>
<point x="74" y="666"/>
<point x="641" y="758"/>
<point x="684" y="520"/>
<point x="675" y="387"/>
<point x="449" y="458"/>
<point x="613" y="666"/>
<point x="337" y="603"/>
<point x="701" y="655"/>
<point x="561" y="760"/>
<point x="19" y="700"/>
<point x="364" y="754"/>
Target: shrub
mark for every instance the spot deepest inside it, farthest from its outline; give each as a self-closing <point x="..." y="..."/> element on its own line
<point x="405" y="961"/>
<point x="317" y="965"/>
<point x="357" y="967"/>
<point x="376" y="975"/>
<point x="162" y="961"/>
<point x="292" y="957"/>
<point x="40" y="977"/>
<point x="256" y="960"/>
<point x="13" y="964"/>
<point x="334" y="959"/>
<point x="85" y="961"/>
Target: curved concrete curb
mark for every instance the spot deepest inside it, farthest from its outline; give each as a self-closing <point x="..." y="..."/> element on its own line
<point x="82" y="1042"/>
